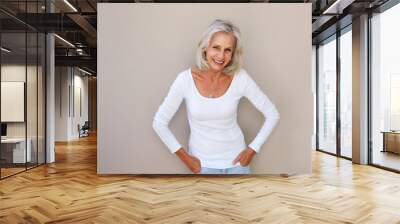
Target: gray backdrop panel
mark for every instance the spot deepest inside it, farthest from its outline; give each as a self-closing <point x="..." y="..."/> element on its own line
<point x="141" y="49"/>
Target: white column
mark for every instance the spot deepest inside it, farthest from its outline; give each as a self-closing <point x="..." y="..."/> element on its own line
<point x="360" y="90"/>
<point x="50" y="110"/>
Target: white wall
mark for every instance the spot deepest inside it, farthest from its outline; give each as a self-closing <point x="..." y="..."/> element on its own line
<point x="62" y="81"/>
<point x="69" y="82"/>
<point x="136" y="66"/>
<point x="79" y="117"/>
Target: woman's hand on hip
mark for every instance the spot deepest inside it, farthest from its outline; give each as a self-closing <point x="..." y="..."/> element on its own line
<point x="192" y="162"/>
<point x="245" y="157"/>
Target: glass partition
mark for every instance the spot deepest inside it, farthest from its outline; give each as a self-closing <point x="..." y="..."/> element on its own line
<point x="13" y="95"/>
<point x="22" y="63"/>
<point x="327" y="96"/>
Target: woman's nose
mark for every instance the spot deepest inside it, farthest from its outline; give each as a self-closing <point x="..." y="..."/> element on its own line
<point x="220" y="54"/>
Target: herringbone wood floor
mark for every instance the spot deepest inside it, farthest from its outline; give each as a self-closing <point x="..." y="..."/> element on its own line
<point x="69" y="191"/>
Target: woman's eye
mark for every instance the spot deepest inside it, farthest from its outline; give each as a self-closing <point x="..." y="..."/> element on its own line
<point x="229" y="50"/>
<point x="216" y="47"/>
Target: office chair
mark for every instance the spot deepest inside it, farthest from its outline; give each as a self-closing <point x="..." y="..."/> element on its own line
<point x="84" y="130"/>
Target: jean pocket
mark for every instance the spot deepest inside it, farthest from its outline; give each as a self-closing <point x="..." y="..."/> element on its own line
<point x="239" y="170"/>
<point x="243" y="166"/>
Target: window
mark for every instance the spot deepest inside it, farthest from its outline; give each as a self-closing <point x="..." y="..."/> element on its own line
<point x="385" y="88"/>
<point x="327" y="96"/>
<point x="346" y="93"/>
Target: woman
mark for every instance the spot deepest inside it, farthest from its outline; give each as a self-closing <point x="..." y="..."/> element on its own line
<point x="212" y="91"/>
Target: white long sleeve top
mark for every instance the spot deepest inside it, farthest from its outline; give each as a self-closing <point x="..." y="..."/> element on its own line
<point x="215" y="136"/>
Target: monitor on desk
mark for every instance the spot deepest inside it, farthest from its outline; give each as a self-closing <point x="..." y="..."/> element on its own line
<point x="3" y="130"/>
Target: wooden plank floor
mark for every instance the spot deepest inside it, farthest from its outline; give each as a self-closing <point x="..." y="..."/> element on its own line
<point x="10" y="171"/>
<point x="69" y="191"/>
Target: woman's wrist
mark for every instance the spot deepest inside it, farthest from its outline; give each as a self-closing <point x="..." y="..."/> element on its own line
<point x="253" y="151"/>
<point x="182" y="154"/>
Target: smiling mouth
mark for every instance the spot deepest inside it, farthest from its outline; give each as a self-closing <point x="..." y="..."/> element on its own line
<point x="218" y="62"/>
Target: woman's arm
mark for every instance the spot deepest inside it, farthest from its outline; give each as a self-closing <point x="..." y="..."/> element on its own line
<point x="164" y="115"/>
<point x="166" y="111"/>
<point x="258" y="98"/>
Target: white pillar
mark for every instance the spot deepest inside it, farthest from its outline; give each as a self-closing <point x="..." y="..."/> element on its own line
<point x="50" y="92"/>
<point x="360" y="90"/>
<point x="50" y="110"/>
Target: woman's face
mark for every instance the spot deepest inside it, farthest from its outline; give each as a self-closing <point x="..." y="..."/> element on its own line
<point x="220" y="50"/>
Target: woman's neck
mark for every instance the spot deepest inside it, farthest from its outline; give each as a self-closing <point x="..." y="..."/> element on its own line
<point x="213" y="75"/>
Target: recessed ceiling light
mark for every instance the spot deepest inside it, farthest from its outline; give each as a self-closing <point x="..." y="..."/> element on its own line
<point x="5" y="50"/>
<point x="64" y="40"/>
<point x="337" y="7"/>
<point x="70" y="5"/>
<point x="84" y="71"/>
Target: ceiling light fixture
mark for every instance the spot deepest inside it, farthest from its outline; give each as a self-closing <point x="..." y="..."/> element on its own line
<point x="79" y="51"/>
<point x="64" y="40"/>
<point x="70" y="5"/>
<point x="86" y="72"/>
<point x="337" y="7"/>
<point x="5" y="50"/>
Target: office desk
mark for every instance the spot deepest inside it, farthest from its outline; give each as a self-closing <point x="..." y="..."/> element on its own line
<point x="13" y="150"/>
<point x="391" y="141"/>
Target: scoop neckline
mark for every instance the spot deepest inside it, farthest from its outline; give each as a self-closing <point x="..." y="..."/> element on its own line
<point x="210" y="98"/>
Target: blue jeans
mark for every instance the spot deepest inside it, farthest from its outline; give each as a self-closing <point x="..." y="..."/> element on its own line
<point x="232" y="170"/>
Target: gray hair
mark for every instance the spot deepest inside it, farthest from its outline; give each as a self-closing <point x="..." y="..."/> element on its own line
<point x="220" y="26"/>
